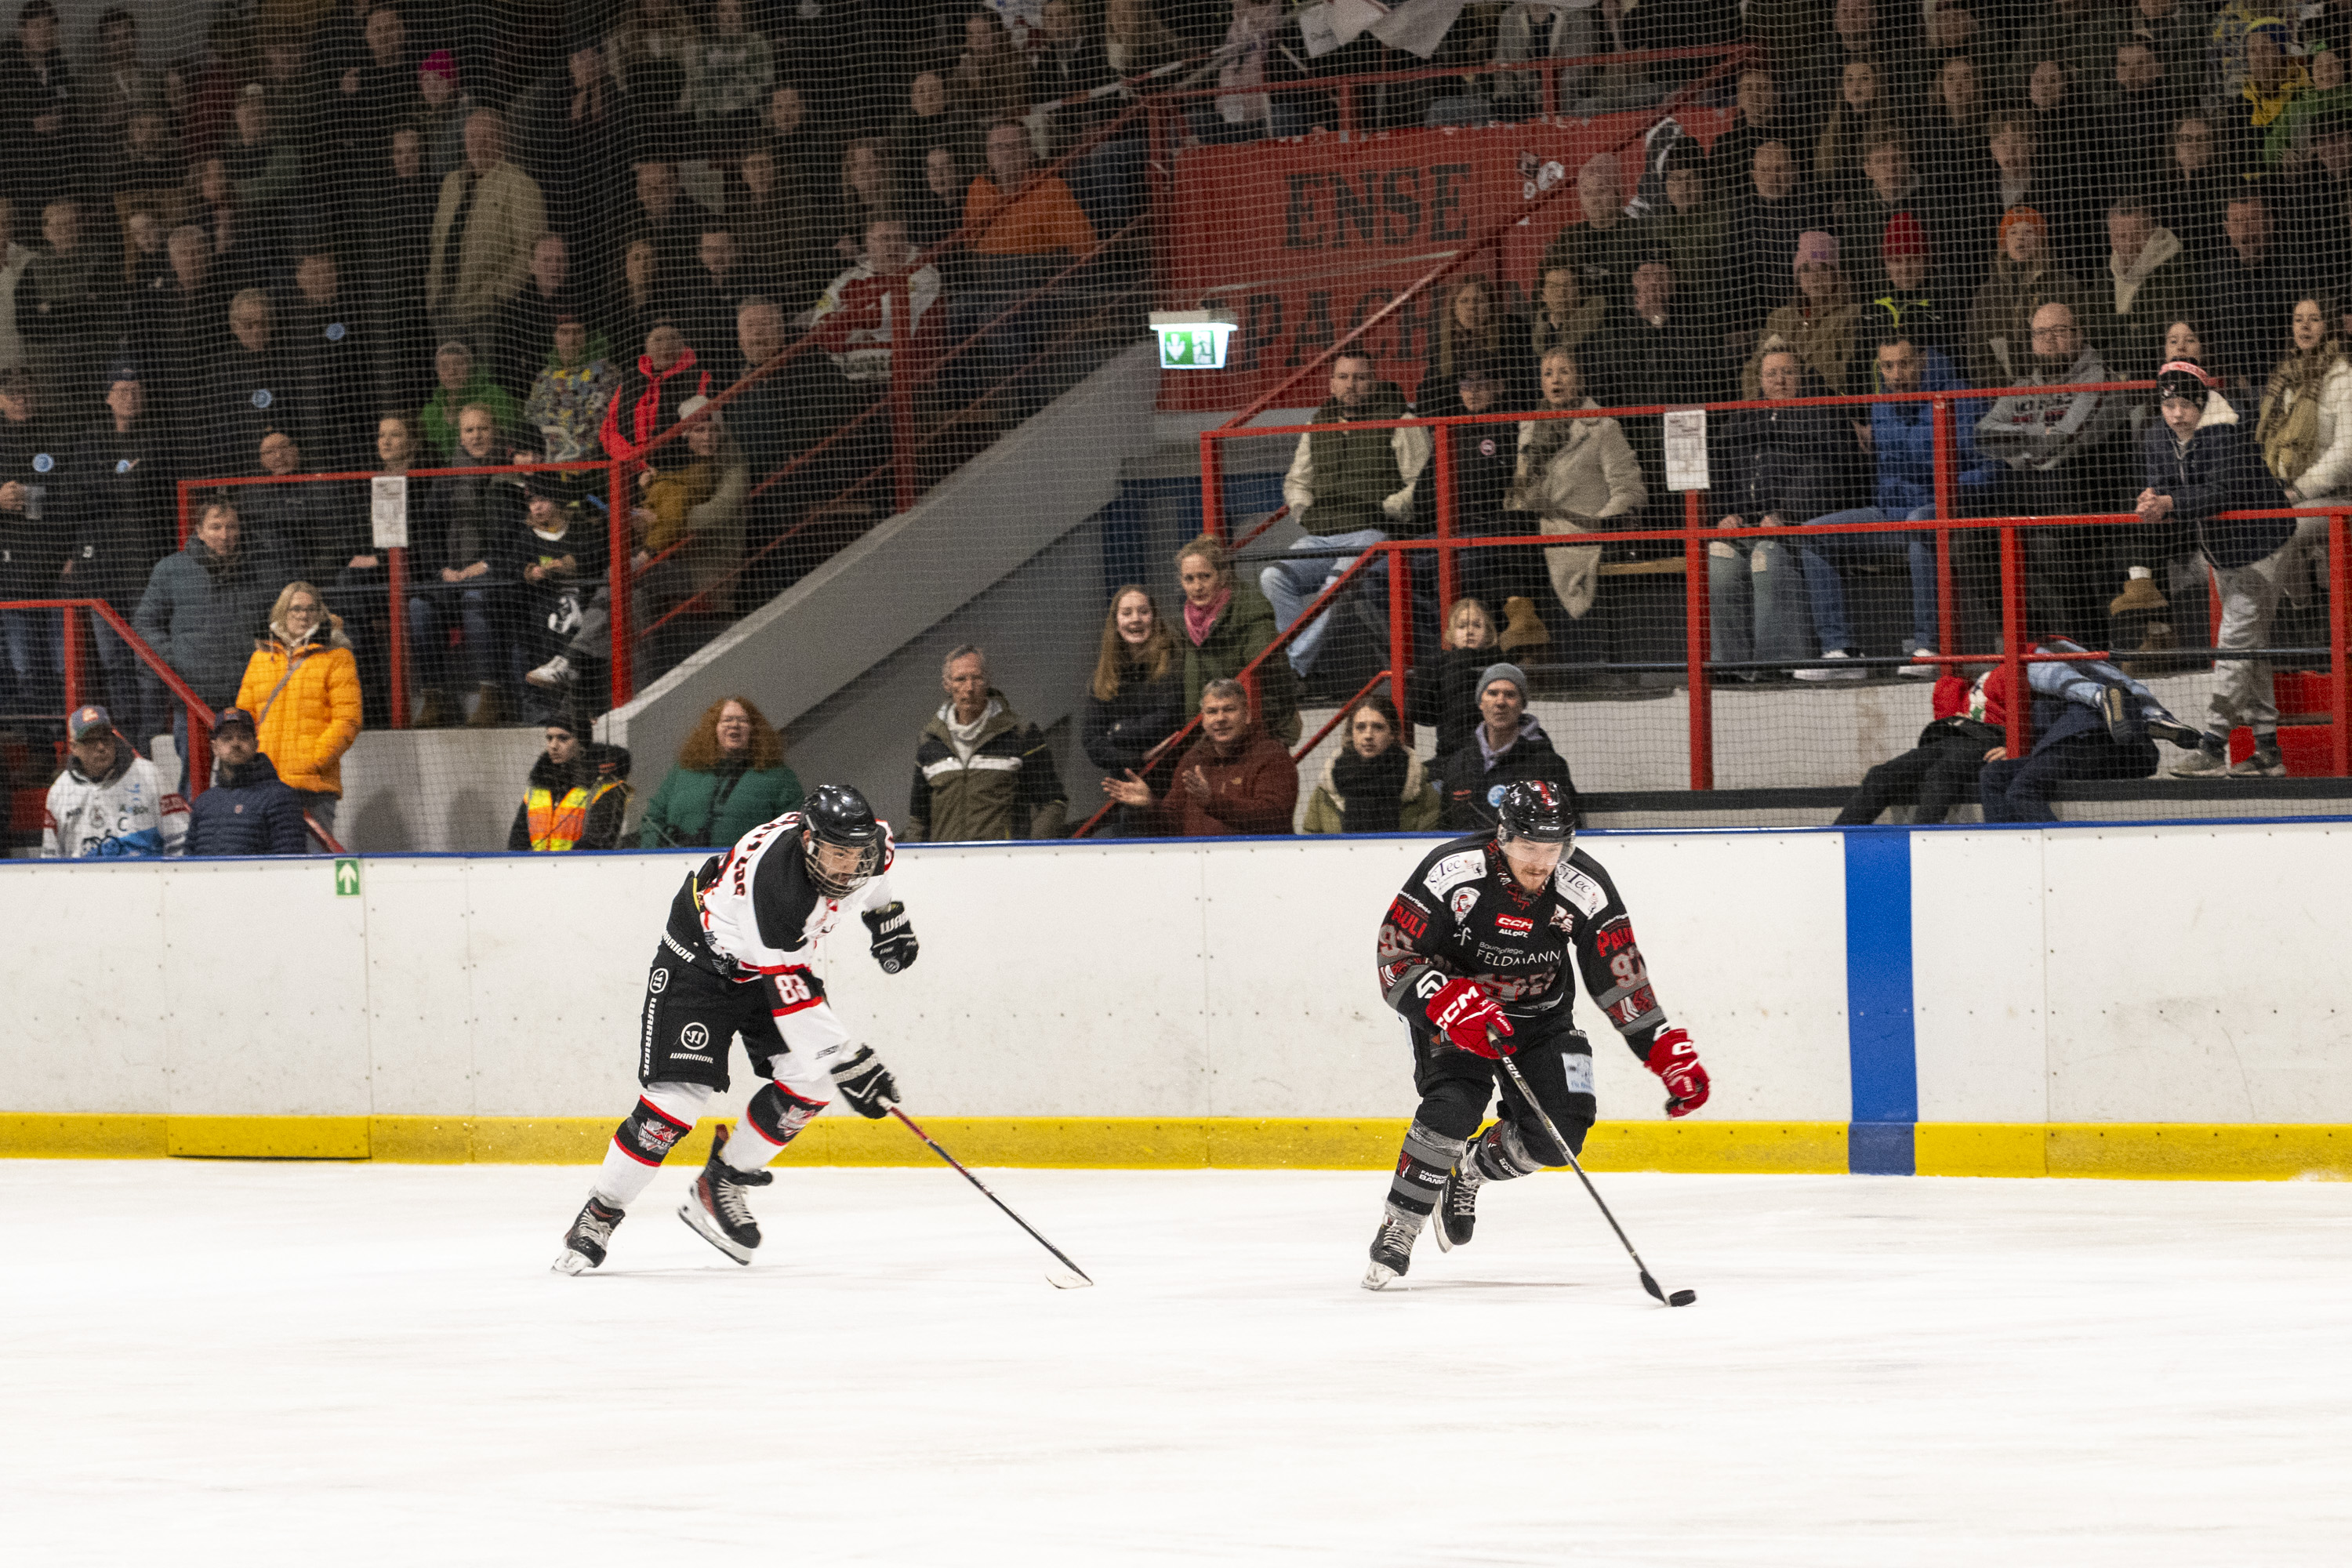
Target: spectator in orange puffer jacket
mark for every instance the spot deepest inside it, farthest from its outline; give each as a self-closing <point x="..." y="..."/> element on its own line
<point x="302" y="687"/>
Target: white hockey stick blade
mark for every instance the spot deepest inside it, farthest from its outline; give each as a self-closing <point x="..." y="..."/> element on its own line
<point x="1062" y="1280"/>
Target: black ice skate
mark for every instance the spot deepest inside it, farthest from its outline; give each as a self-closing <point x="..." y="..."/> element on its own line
<point x="1391" y="1248"/>
<point x="1457" y="1210"/>
<point x="590" y="1233"/>
<point x="716" y="1209"/>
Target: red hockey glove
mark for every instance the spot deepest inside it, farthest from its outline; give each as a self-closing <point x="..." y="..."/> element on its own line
<point x="1465" y="1014"/>
<point x="1675" y="1062"/>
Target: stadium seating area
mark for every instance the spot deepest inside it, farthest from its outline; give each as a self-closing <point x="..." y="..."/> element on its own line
<point x="759" y="275"/>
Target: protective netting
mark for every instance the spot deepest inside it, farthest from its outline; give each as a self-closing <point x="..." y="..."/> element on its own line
<point x="277" y="242"/>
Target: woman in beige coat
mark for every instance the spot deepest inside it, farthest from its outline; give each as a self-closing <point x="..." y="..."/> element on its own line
<point x="1574" y="474"/>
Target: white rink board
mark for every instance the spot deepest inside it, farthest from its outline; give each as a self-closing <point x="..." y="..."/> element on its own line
<point x="2242" y="1014"/>
<point x="1977" y="976"/>
<point x="1079" y="980"/>
<point x="2077" y="974"/>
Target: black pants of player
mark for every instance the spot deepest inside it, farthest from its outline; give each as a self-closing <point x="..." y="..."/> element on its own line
<point x="1455" y="1086"/>
<point x="1930" y="779"/>
<point x="692" y="1016"/>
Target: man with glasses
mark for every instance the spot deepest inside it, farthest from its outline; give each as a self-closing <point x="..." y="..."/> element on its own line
<point x="2065" y="457"/>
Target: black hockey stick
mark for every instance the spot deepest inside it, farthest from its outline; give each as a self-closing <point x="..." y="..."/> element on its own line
<point x="1680" y="1298"/>
<point x="1074" y="1281"/>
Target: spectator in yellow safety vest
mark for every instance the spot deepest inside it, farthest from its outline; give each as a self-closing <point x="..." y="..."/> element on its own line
<point x="578" y="793"/>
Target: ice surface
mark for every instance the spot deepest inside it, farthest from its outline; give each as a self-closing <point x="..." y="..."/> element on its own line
<point x="327" y="1364"/>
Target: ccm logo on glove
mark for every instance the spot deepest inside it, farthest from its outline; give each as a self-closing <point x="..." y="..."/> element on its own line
<point x="1462" y="1012"/>
<point x="1675" y="1062"/>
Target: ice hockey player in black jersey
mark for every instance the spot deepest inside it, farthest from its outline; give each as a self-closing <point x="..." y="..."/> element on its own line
<point x="1473" y="953"/>
<point x="734" y="960"/>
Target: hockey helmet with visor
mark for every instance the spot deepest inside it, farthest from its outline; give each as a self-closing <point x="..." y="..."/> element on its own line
<point x="844" y="841"/>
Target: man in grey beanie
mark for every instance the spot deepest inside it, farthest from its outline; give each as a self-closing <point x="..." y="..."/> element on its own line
<point x="1508" y="745"/>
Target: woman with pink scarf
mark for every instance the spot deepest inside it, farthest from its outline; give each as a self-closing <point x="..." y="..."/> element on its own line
<point x="1226" y="624"/>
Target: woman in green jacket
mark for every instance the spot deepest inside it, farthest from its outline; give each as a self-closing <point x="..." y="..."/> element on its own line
<point x="1373" y="784"/>
<point x="1226" y="624"/>
<point x="731" y="777"/>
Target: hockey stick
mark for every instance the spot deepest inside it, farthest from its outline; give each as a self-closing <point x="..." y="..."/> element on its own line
<point x="1680" y="1298"/>
<point x="1074" y="1281"/>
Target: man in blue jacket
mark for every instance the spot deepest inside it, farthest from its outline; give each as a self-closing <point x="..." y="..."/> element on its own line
<point x="248" y="810"/>
<point x="2198" y="469"/>
<point x="1903" y="439"/>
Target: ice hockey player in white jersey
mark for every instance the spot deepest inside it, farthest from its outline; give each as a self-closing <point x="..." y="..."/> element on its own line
<point x="110" y="802"/>
<point x="734" y="960"/>
<point x="1474" y="952"/>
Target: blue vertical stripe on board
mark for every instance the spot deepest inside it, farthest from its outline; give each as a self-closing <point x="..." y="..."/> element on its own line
<point x="1880" y="1043"/>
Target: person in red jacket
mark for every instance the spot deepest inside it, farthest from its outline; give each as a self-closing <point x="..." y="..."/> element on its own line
<point x="647" y="403"/>
<point x="1236" y="779"/>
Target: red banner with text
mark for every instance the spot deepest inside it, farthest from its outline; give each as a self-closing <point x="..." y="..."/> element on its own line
<point x="1303" y="239"/>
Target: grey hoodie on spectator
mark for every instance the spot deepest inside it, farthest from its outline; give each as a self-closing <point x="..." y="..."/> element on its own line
<point x="200" y="613"/>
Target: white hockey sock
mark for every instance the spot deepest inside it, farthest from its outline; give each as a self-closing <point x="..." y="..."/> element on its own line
<point x="622" y="1179"/>
<point x="748" y="1148"/>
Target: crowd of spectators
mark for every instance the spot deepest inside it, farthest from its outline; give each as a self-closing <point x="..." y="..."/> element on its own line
<point x="406" y="237"/>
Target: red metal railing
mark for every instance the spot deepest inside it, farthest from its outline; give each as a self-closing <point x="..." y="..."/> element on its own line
<point x="618" y="530"/>
<point x="1727" y="62"/>
<point x="1695" y="535"/>
<point x="915" y="368"/>
<point x="200" y="715"/>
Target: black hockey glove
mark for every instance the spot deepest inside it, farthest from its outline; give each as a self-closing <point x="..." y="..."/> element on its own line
<point x="894" y="937"/>
<point x="866" y="1083"/>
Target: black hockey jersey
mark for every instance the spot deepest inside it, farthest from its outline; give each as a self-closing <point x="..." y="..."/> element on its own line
<point x="1463" y="913"/>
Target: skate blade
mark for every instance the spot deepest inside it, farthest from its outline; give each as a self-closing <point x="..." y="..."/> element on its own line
<point x="1378" y="1275"/>
<point x="570" y="1262"/>
<point x="704" y="1227"/>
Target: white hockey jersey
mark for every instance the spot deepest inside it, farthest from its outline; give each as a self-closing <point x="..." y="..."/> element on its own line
<point x="760" y="912"/>
<point x="127" y="814"/>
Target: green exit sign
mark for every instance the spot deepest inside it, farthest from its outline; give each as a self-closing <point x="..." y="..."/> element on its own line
<point x="1192" y="339"/>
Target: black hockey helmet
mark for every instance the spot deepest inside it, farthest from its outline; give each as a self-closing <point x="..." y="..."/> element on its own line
<point x="1535" y="811"/>
<point x="838" y="816"/>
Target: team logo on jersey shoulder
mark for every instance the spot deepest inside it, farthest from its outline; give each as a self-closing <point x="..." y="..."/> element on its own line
<point x="1468" y="866"/>
<point x="1464" y="900"/>
<point x="1561" y="919"/>
<point x="1579" y="890"/>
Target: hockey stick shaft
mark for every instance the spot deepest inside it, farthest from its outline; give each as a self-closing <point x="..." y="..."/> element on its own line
<point x="1560" y="1144"/>
<point x="934" y="1146"/>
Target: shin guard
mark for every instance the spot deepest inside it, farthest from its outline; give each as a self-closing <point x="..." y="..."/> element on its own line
<point x="773" y="1119"/>
<point x="1422" y="1164"/>
<point x="645" y="1139"/>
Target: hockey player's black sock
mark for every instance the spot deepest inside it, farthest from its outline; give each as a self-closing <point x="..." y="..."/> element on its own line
<point x="1421" y="1169"/>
